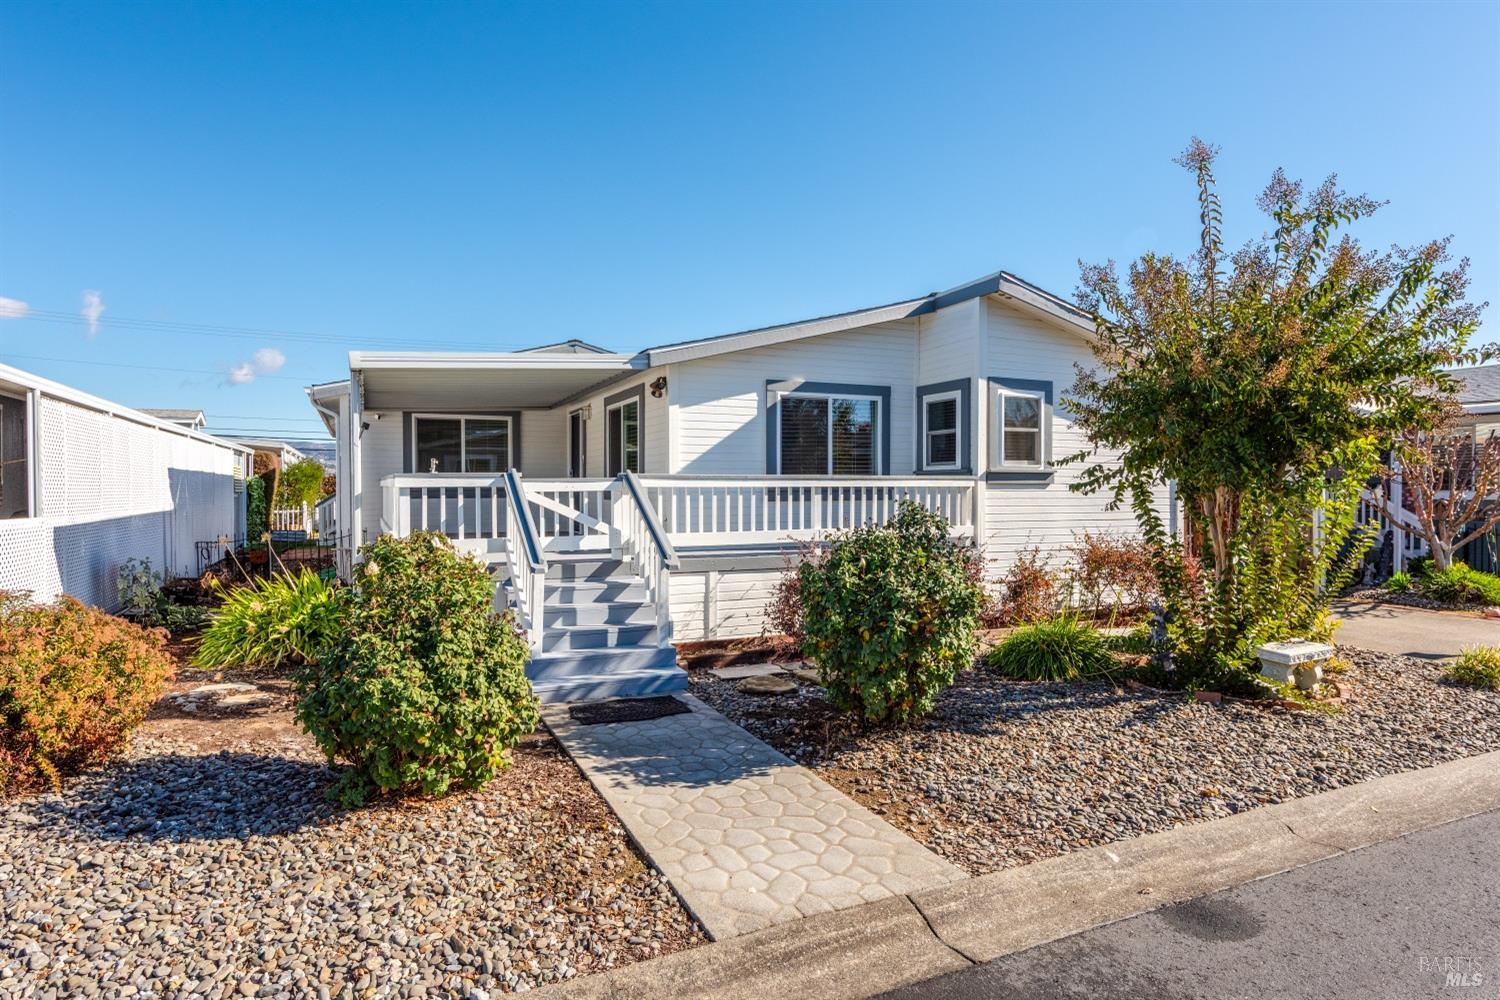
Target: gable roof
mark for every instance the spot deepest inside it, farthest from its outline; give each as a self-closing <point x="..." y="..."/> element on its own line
<point x="1000" y="283"/>
<point x="174" y="415"/>
<point x="1480" y="384"/>
<point x="573" y="346"/>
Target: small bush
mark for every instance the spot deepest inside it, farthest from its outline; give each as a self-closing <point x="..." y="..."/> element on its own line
<point x="1028" y="589"/>
<point x="889" y="615"/>
<point x="287" y="619"/>
<point x="1112" y="574"/>
<point x="425" y="689"/>
<point x="74" y="682"/>
<point x="1458" y="584"/>
<point x="1399" y="583"/>
<point x="1061" y="648"/>
<point x="1477" y="666"/>
<point x="139" y="590"/>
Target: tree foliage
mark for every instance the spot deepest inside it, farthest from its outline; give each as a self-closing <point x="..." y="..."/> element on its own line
<point x="300" y="483"/>
<point x="1261" y="381"/>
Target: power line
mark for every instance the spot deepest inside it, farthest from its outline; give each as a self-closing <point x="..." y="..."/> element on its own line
<point x="147" y="368"/>
<point x="212" y="330"/>
<point x="252" y="416"/>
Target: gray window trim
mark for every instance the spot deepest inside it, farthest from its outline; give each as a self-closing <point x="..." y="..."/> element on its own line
<point x="777" y="387"/>
<point x="638" y="393"/>
<point x="409" y="431"/>
<point x="28" y="400"/>
<point x="965" y="389"/>
<point x="1042" y="387"/>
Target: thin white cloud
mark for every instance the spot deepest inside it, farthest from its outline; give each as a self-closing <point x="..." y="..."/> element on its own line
<point x="266" y="361"/>
<point x="93" y="308"/>
<point x="13" y="308"/>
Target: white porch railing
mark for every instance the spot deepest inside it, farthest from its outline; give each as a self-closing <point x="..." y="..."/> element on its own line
<point x="326" y="516"/>
<point x="460" y="506"/>
<point x="573" y="515"/>
<point x="1408" y="544"/>
<point x="750" y="509"/>
<point x="648" y="550"/>
<point x="525" y="560"/>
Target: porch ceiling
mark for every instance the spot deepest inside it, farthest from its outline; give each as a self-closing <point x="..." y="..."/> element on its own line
<point x="479" y="381"/>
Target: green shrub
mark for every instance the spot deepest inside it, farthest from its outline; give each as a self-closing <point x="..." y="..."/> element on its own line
<point x="1458" y="584"/>
<point x="74" y="682"/>
<point x="889" y="614"/>
<point x="1418" y="566"/>
<point x="1477" y="666"/>
<point x="1399" y="583"/>
<point x="425" y="689"/>
<point x="1061" y="648"/>
<point x="139" y="589"/>
<point x="270" y="622"/>
<point x="257" y="511"/>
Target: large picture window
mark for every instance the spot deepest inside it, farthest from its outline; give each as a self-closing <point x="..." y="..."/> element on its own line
<point x="460" y="444"/>
<point x="15" y="478"/>
<point x="622" y="445"/>
<point x="829" y="435"/>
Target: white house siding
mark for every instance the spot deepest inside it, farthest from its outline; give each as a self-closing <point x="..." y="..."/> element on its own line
<point x="720" y="402"/>
<point x="721" y="604"/>
<point x="112" y="489"/>
<point x="655" y="436"/>
<point x="380" y="455"/>
<point x="1019" y="515"/>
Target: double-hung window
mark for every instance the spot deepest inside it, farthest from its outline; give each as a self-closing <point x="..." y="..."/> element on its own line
<point x="941" y="443"/>
<point x="460" y="444"/>
<point x="622" y="438"/>
<point x="1021" y="441"/>
<point x="15" y="472"/>
<point x="824" y="435"/>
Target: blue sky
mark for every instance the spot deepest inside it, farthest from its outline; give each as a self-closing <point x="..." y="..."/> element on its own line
<point x="493" y="176"/>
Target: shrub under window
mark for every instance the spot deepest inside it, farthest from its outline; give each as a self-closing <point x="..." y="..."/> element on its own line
<point x="889" y="615"/>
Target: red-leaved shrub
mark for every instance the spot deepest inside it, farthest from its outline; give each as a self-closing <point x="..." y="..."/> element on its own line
<point x="1029" y="588"/>
<point x="73" y="682"/>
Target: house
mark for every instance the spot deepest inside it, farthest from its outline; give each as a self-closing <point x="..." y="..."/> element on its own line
<point x="193" y="420"/>
<point x="86" y="484"/>
<point x="270" y="453"/>
<point x="630" y="500"/>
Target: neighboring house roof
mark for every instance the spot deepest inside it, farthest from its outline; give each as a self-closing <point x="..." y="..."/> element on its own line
<point x="268" y="444"/>
<point x="26" y="380"/>
<point x="573" y="346"/>
<point x="1480" y="384"/>
<point x="187" y="418"/>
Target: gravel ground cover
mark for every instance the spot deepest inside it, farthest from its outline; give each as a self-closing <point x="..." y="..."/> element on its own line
<point x="1007" y="772"/>
<point x="1379" y="595"/>
<point x="207" y="862"/>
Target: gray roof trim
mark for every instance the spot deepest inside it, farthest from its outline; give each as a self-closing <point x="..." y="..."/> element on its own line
<point x="172" y="414"/>
<point x="571" y="346"/>
<point x="1000" y="283"/>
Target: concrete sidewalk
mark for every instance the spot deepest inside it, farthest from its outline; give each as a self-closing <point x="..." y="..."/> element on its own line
<point x="908" y="939"/>
<point x="1417" y="632"/>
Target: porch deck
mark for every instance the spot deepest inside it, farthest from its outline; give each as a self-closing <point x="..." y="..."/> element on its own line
<point x="587" y="564"/>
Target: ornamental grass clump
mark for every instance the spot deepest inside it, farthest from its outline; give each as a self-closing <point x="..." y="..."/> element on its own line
<point x="74" y="682"/>
<point x="1477" y="666"/>
<point x="286" y="619"/>
<point x="1062" y="648"/>
<point x="889" y="615"/>
<point x="425" y="690"/>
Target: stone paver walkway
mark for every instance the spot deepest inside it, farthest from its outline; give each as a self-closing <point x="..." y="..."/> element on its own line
<point x="746" y="836"/>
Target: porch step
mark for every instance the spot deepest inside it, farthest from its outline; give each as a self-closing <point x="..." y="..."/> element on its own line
<point x="560" y="638"/>
<point x="605" y="673"/>
<point x="599" y="613"/>
<point x="625" y="590"/>
<point x="586" y="568"/>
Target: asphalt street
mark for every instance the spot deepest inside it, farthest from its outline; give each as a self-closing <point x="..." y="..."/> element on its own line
<point x="1410" y="918"/>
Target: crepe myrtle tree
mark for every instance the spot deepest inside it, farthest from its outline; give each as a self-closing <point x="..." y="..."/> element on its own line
<point x="1253" y="371"/>
<point x="1449" y="478"/>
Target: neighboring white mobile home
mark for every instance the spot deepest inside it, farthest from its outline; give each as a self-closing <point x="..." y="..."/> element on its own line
<point x="86" y="484"/>
<point x="701" y="464"/>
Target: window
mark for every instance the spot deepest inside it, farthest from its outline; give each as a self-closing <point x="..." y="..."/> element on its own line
<point x="460" y="444"/>
<point x="15" y="479"/>
<point x="622" y="438"/>
<point x="828" y="435"/>
<point x="940" y="439"/>
<point x="1021" y="443"/>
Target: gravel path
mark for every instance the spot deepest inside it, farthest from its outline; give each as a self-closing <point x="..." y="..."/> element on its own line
<point x="208" y="863"/>
<point x="1007" y="772"/>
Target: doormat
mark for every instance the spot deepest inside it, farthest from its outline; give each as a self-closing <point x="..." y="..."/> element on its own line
<point x="626" y="710"/>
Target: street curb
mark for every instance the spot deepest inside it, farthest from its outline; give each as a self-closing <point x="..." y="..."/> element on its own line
<point x="882" y="946"/>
